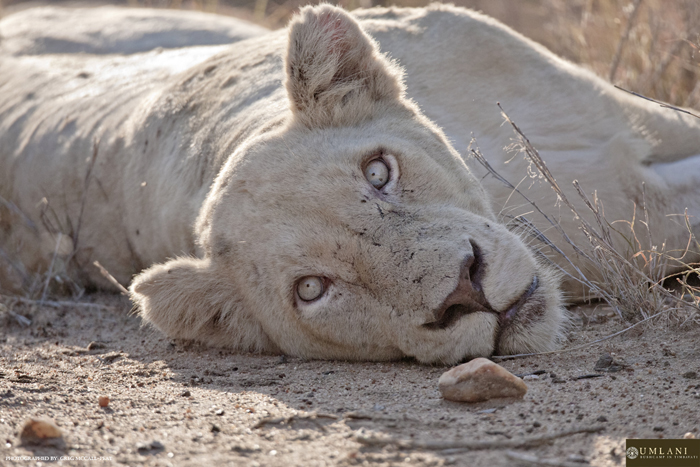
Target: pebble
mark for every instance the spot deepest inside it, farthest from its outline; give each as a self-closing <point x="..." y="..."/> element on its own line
<point x="103" y="401"/>
<point x="41" y="431"/>
<point x="480" y="380"/>
<point x="690" y="375"/>
<point x="608" y="364"/>
<point x="152" y="446"/>
<point x="689" y="435"/>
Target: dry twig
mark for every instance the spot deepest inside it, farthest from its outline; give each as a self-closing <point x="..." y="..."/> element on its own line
<point x="56" y="304"/>
<point x="531" y="459"/>
<point x="501" y="358"/>
<point x="111" y="278"/>
<point x="466" y="445"/>
<point x="313" y="417"/>
<point x="623" y="39"/>
<point x="662" y="104"/>
<point x="50" y="271"/>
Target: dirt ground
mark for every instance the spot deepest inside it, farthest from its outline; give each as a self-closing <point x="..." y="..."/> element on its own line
<point x="177" y="404"/>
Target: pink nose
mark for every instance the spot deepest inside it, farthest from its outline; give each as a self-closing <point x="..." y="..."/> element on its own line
<point x="466" y="298"/>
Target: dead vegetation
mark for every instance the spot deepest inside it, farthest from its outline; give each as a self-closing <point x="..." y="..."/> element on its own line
<point x="613" y="265"/>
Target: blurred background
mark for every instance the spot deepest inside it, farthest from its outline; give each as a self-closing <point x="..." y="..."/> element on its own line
<point x="648" y="46"/>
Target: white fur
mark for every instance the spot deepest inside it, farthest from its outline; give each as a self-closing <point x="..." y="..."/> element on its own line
<point x="224" y="175"/>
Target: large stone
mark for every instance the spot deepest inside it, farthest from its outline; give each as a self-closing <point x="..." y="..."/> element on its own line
<point x="480" y="380"/>
<point x="41" y="431"/>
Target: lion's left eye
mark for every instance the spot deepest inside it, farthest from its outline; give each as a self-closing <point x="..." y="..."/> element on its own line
<point x="310" y="288"/>
<point x="377" y="173"/>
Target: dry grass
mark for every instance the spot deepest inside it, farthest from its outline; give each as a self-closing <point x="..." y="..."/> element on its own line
<point x="631" y="279"/>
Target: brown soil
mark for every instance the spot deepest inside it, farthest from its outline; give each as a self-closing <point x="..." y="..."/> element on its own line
<point x="204" y="406"/>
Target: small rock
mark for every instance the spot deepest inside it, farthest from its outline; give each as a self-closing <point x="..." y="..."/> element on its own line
<point x="186" y="393"/>
<point x="658" y="428"/>
<point x="94" y="345"/>
<point x="689" y="435"/>
<point x="690" y="375"/>
<point x="480" y="380"/>
<point x="215" y="429"/>
<point x="608" y="364"/>
<point x="41" y="431"/>
<point x="103" y="401"/>
<point x="144" y="448"/>
<point x="602" y="419"/>
<point x="219" y="412"/>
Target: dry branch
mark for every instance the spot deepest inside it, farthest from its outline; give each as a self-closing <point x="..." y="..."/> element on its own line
<point x="54" y="303"/>
<point x="466" y="445"/>
<point x="531" y="459"/>
<point x="313" y="417"/>
<point x="111" y="278"/>
<point x="623" y="39"/>
<point x="662" y="104"/>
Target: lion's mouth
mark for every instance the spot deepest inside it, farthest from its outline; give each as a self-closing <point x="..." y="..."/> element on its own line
<point x="474" y="302"/>
<point x="506" y="317"/>
<point x="451" y="315"/>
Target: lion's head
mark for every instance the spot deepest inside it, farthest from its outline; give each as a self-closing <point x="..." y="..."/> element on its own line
<point x="355" y="231"/>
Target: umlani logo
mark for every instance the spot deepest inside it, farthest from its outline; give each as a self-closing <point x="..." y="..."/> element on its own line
<point x="632" y="453"/>
<point x="663" y="452"/>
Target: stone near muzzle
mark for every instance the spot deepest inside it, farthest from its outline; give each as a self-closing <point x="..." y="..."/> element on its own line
<point x="480" y="380"/>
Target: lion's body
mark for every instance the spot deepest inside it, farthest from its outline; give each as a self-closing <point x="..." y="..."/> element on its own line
<point x="134" y="154"/>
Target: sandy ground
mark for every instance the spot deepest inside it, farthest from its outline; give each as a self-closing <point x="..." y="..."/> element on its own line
<point x="177" y="404"/>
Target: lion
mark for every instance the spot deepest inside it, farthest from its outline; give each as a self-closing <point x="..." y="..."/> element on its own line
<point x="303" y="191"/>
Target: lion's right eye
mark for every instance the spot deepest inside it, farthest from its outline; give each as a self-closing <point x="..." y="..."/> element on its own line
<point x="309" y="288"/>
<point x="377" y="173"/>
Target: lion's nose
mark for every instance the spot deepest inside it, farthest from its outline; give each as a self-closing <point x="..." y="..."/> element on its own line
<point x="467" y="297"/>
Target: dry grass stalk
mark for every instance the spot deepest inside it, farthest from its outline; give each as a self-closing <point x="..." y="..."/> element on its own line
<point x="50" y="271"/>
<point x="52" y="303"/>
<point x="661" y="104"/>
<point x="623" y="40"/>
<point x="111" y="278"/>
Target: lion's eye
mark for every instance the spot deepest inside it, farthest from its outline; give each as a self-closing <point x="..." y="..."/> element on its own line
<point x="377" y="173"/>
<point x="310" y="288"/>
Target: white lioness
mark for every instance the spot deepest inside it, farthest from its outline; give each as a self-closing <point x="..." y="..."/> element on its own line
<point x="307" y="205"/>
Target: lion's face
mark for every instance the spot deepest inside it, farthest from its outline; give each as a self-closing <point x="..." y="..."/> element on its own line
<point x="354" y="232"/>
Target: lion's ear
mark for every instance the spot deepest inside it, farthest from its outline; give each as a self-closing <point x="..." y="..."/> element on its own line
<point x="186" y="298"/>
<point x="335" y="72"/>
